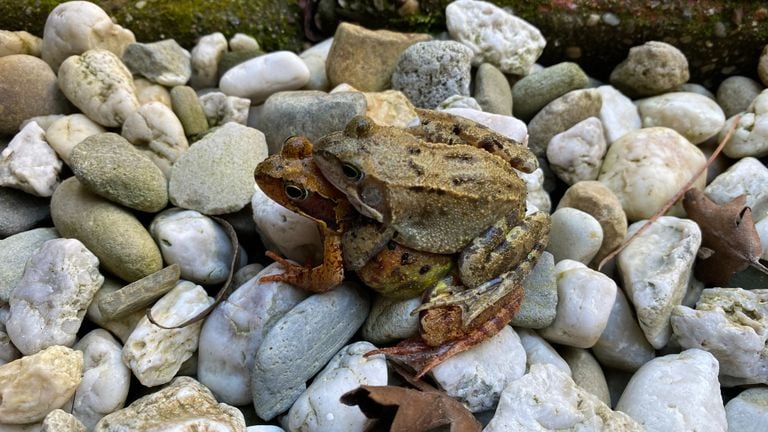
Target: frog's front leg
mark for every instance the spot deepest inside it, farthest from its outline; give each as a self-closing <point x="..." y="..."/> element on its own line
<point x="319" y="278"/>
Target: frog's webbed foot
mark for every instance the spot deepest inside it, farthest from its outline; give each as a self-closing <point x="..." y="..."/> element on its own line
<point x="319" y="278"/>
<point x="446" y="128"/>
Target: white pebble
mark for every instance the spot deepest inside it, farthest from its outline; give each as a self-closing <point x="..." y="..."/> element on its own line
<point x="748" y="412"/>
<point x="220" y="108"/>
<point x="65" y="133"/>
<point x="243" y="42"/>
<point x="694" y="116"/>
<point x="622" y="344"/>
<point x="205" y="60"/>
<point x="747" y="177"/>
<point x="264" y="75"/>
<point x="574" y="235"/>
<point x="750" y="137"/>
<point x="28" y="163"/>
<point x="539" y="351"/>
<point x="157" y="132"/>
<point x="618" y="114"/>
<point x="577" y="153"/>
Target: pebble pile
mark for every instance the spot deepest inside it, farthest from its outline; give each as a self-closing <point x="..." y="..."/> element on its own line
<point x="131" y="149"/>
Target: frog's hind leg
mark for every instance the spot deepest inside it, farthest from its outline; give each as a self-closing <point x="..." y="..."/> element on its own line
<point x="319" y="278"/>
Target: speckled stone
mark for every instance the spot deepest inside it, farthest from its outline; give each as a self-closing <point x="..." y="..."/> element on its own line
<point x="28" y="88"/>
<point x="492" y="90"/>
<point x="533" y="92"/>
<point x="650" y="69"/>
<point x="189" y="110"/>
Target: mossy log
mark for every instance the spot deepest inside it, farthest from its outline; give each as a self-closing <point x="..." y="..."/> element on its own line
<point x="719" y="38"/>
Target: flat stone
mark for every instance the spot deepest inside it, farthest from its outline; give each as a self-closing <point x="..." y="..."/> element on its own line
<point x="113" y="234"/>
<point x="156" y="131"/>
<point x="120" y="327"/>
<point x="492" y="91"/>
<point x="366" y="58"/>
<point x="204" y="60"/>
<point x="65" y="133"/>
<point x="430" y="72"/>
<point x="49" y="302"/>
<point x="748" y="412"/>
<point x="577" y="153"/>
<point x="691" y="401"/>
<point x="215" y="176"/>
<point x="56" y="369"/>
<point x="540" y="302"/>
<point x="20" y="211"/>
<point x="164" y="62"/>
<point x="233" y="332"/>
<point x="736" y="93"/>
<point x="560" y="115"/>
<point x="300" y="343"/>
<point x="622" y="345"/>
<point x="189" y="110"/>
<point x="308" y="113"/>
<point x="29" y="89"/>
<point x="111" y="167"/>
<point x="319" y="407"/>
<point x="646" y="167"/>
<point x="533" y="92"/>
<point x="29" y="164"/>
<point x="696" y="117"/>
<point x="14" y="253"/>
<point x="495" y="35"/>
<point x="256" y="79"/>
<point x="184" y="402"/>
<point x="137" y="295"/>
<point x="650" y="69"/>
<point x="655" y="268"/>
<point x="391" y="320"/>
<point x="574" y="235"/>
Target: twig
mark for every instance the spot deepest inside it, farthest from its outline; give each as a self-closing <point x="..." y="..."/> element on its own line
<point x="674" y="198"/>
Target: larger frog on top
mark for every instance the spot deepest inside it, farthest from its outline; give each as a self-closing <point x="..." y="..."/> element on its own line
<point x="442" y="197"/>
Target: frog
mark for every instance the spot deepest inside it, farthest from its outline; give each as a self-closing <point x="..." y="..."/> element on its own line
<point x="439" y="189"/>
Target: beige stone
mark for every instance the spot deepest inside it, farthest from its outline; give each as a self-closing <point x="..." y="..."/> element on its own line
<point x="61" y="421"/>
<point x="391" y="108"/>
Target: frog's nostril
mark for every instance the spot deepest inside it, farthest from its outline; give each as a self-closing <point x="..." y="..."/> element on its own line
<point x="358" y="127"/>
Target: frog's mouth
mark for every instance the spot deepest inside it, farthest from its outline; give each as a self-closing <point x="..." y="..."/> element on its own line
<point x="331" y="167"/>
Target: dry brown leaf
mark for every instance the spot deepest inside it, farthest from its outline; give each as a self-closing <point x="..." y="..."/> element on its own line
<point x="412" y="410"/>
<point x="729" y="239"/>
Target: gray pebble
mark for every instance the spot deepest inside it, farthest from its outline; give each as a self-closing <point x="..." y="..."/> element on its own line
<point x="14" y="253"/>
<point x="309" y="113"/>
<point x="535" y="91"/>
<point x="492" y="90"/>
<point x="390" y="320"/>
<point x="586" y="372"/>
<point x="164" y="62"/>
<point x="429" y="72"/>
<point x="113" y="168"/>
<point x="735" y="94"/>
<point x="650" y="69"/>
<point x="560" y="115"/>
<point x="20" y="211"/>
<point x="540" y="301"/>
<point x="215" y="176"/>
<point x="301" y="343"/>
<point x="189" y="110"/>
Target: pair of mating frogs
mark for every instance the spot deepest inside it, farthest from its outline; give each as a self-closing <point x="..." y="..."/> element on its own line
<point x="443" y="189"/>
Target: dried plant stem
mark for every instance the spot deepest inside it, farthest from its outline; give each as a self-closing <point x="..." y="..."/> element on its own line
<point x="674" y="198"/>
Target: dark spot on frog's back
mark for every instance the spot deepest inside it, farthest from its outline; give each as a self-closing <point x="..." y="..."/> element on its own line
<point x="489" y="143"/>
<point x="457" y="130"/>
<point x="414" y="150"/>
<point x="405" y="259"/>
<point x="424" y="269"/>
<point x="417" y="169"/>
<point x="459" y="156"/>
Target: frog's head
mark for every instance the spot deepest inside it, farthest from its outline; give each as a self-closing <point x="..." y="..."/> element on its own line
<point x="345" y="157"/>
<point x="293" y="180"/>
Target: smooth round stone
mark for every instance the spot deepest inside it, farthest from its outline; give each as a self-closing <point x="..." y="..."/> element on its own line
<point x="231" y="59"/>
<point x="691" y="401"/>
<point x="429" y="72"/>
<point x="582" y="315"/>
<point x="20" y="211"/>
<point x="539" y="351"/>
<point x="100" y="85"/>
<point x="164" y="62"/>
<point x="183" y="402"/>
<point x="694" y="116"/>
<point x="762" y="66"/>
<point x="147" y="91"/>
<point x="299" y="345"/>
<point x="14" y="253"/>
<point x="28" y="163"/>
<point x="29" y="89"/>
<point x="618" y="114"/>
<point x="750" y="135"/>
<point x="157" y="133"/>
<point x="242" y="42"/>
<point x="49" y="302"/>
<point x="535" y="91"/>
<point x="646" y="167"/>
<point x="65" y="133"/>
<point x="650" y="69"/>
<point x="309" y="113"/>
<point x="736" y="93"/>
<point x="112" y="168"/>
<point x="319" y="408"/>
<point x="623" y="345"/>
<point x="113" y="234"/>
<point x="577" y="153"/>
<point x="205" y="57"/>
<point x="492" y="90"/>
<point x="366" y="58"/>
<point x="75" y="27"/>
<point x="220" y="108"/>
<point x="215" y="176"/>
<point x="195" y="242"/>
<point x="234" y="331"/>
<point x="560" y="115"/>
<point x="315" y="58"/>
<point x="494" y="35"/>
<point x="156" y="354"/>
<point x="189" y="110"/>
<point x="19" y="42"/>
<point x="655" y="270"/>
<point x="477" y="376"/>
<point x="540" y="302"/>
<point x="57" y="369"/>
<point x="574" y="235"/>
<point x="748" y="412"/>
<point x="586" y="373"/>
<point x="747" y="177"/>
<point x="105" y="383"/>
<point x="256" y="79"/>
<point x="390" y="320"/>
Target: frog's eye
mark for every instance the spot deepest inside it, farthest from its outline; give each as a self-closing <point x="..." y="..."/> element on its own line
<point x="295" y="193"/>
<point x="352" y="172"/>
